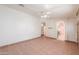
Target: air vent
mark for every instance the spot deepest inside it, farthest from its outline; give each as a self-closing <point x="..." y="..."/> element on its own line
<point x="21" y="5"/>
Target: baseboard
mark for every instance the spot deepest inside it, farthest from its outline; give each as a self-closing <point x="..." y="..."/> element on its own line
<point x="70" y="41"/>
<point x="50" y="37"/>
<point x="18" y="42"/>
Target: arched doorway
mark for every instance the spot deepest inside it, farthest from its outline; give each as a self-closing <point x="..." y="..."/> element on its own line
<point x="61" y="30"/>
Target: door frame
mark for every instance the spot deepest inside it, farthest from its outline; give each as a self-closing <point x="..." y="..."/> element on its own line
<point x="61" y="21"/>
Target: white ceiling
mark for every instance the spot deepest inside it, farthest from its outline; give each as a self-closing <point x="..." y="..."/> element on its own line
<point x="51" y="10"/>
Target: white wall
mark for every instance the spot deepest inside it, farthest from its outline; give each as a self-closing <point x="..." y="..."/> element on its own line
<point x="70" y="28"/>
<point x="17" y="26"/>
<point x="50" y="29"/>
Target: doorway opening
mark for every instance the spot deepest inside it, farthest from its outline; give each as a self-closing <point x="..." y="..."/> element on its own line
<point x="61" y="30"/>
<point x="43" y="26"/>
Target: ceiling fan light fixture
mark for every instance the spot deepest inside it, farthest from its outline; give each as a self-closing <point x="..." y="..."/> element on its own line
<point x="48" y="12"/>
<point x="44" y="16"/>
